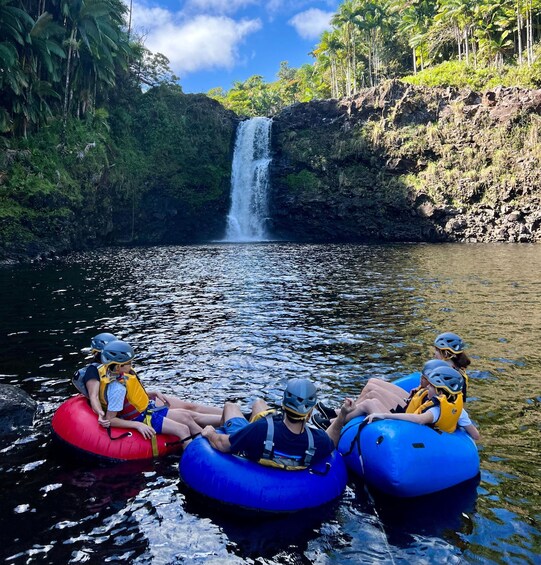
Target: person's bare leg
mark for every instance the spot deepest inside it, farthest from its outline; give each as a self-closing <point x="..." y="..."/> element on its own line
<point x="185" y="418"/>
<point x="377" y="385"/>
<point x="258" y="406"/>
<point x="366" y="407"/>
<point x="177" y="429"/>
<point x="201" y="420"/>
<point x="231" y="410"/>
<point x="175" y="402"/>
<point x="386" y="398"/>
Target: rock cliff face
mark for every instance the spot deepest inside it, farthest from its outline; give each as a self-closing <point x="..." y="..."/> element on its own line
<point x="186" y="142"/>
<point x="405" y="163"/>
<point x="159" y="173"/>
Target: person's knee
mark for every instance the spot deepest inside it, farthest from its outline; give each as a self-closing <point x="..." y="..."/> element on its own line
<point x="174" y="427"/>
<point x="368" y="388"/>
<point x="259" y="405"/>
<point x="231" y="410"/>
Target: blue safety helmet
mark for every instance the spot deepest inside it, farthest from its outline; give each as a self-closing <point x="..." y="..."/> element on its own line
<point x="450" y="342"/>
<point x="118" y="352"/>
<point x="433" y="364"/>
<point x="98" y="342"/>
<point x="300" y="396"/>
<point x="447" y="379"/>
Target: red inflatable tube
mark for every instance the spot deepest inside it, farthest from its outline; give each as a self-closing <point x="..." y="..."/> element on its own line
<point x="76" y="424"/>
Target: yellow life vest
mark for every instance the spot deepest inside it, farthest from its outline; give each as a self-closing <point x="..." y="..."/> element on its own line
<point x="136" y="400"/>
<point x="416" y="401"/>
<point x="262" y="414"/>
<point x="449" y="411"/>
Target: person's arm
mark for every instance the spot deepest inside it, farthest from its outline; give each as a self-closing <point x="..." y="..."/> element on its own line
<point x="146" y="431"/>
<point x="93" y="388"/>
<point x="473" y="432"/>
<point x="218" y="441"/>
<point x="425" y="418"/>
<point x="155" y="394"/>
<point x="115" y="395"/>
<point x="464" y="421"/>
<point x="333" y="431"/>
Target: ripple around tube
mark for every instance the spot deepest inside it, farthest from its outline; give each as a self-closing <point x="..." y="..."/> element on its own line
<point x="248" y="214"/>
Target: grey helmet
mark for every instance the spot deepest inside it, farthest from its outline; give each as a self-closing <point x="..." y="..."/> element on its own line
<point x="433" y="364"/>
<point x="446" y="378"/>
<point x="118" y="352"/>
<point x="450" y="342"/>
<point x="98" y="342"/>
<point x="300" y="396"/>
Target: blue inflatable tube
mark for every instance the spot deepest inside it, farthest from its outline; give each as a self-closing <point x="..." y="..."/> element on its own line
<point x="236" y="481"/>
<point x="405" y="459"/>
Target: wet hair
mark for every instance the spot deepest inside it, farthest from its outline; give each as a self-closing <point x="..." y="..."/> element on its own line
<point x="461" y="360"/>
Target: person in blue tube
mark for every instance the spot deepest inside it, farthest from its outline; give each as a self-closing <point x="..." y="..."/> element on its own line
<point x="279" y="440"/>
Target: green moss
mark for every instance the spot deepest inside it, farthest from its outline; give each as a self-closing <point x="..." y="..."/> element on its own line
<point x="303" y="182"/>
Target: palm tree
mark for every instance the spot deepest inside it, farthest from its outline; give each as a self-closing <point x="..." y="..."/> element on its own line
<point x="14" y="26"/>
<point x="344" y="20"/>
<point x="93" y="27"/>
<point x="414" y="18"/>
<point x="329" y="49"/>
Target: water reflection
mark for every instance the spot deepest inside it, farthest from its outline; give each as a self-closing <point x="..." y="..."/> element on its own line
<point x="253" y="535"/>
<point x="220" y="321"/>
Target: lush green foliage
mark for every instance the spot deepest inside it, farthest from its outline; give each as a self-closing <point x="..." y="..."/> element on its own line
<point x="475" y="43"/>
<point x="460" y="74"/>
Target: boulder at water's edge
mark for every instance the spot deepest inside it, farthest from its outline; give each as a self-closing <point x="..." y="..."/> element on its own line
<point x="17" y="409"/>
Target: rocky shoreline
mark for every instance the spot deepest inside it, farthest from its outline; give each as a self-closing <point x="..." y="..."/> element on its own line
<point x="17" y="410"/>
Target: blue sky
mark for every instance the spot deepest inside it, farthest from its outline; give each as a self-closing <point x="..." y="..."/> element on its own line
<point x="215" y="42"/>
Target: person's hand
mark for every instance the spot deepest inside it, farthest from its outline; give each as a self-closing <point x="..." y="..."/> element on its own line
<point x="376" y="416"/>
<point x="102" y="421"/>
<point x="146" y="431"/>
<point x="208" y="431"/>
<point x="347" y="407"/>
<point x="162" y="398"/>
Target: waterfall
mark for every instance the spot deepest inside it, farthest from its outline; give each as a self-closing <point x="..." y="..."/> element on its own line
<point x="250" y="182"/>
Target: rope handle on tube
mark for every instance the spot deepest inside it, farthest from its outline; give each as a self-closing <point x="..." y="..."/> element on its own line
<point x="193" y="436"/>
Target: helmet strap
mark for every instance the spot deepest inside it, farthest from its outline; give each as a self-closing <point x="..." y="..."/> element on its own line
<point x="296" y="418"/>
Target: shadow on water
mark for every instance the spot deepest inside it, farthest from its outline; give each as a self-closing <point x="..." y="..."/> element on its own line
<point x="259" y="534"/>
<point x="433" y="515"/>
<point x="69" y="508"/>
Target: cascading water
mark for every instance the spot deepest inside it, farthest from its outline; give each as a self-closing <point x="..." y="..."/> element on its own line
<point x="250" y="182"/>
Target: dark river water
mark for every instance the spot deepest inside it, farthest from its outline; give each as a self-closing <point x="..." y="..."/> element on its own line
<point x="216" y="322"/>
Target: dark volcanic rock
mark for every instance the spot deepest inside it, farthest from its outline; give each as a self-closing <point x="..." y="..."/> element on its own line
<point x="404" y="163"/>
<point x="17" y="409"/>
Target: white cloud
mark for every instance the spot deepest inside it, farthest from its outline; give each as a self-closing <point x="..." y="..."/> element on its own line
<point x="148" y="18"/>
<point x="218" y="6"/>
<point x="204" y="42"/>
<point x="311" y="23"/>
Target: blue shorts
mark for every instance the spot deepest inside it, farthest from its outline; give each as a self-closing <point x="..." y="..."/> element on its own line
<point x="234" y="425"/>
<point x="156" y="417"/>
